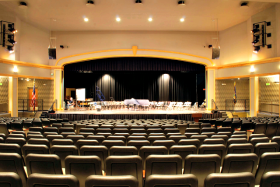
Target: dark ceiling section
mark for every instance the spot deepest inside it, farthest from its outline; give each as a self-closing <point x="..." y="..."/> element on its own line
<point x="134" y="64"/>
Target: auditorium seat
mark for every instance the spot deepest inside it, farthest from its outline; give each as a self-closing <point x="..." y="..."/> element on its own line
<point x="195" y="142"/>
<point x="188" y="180"/>
<point x="276" y="139"/>
<point x="201" y="138"/>
<point x="268" y="162"/>
<point x="193" y="130"/>
<point x="157" y="134"/>
<point x="271" y="129"/>
<point x="225" y="133"/>
<point x="12" y="162"/>
<point x="36" y="129"/>
<point x="230" y="179"/>
<point x="214" y="141"/>
<point x="145" y="151"/>
<point x="123" y="150"/>
<point x="256" y="136"/>
<point x="42" y="180"/>
<point x="100" y="151"/>
<point x="246" y="126"/>
<point x="260" y="128"/>
<point x="202" y="165"/>
<point x="254" y="141"/>
<point x="240" y="132"/>
<point x="19" y="141"/>
<point x="10" y="179"/>
<point x="163" y="165"/>
<point x="49" y="133"/>
<point x="125" y="165"/>
<point x="110" y="143"/>
<point x="194" y="125"/>
<point x="63" y="151"/>
<point x="239" y="136"/>
<point x="82" y="167"/>
<point x="208" y="129"/>
<point x="65" y="129"/>
<point x="85" y="134"/>
<point x="65" y="134"/>
<point x="18" y="126"/>
<point x="37" y="136"/>
<point x="99" y="138"/>
<point x="51" y="129"/>
<point x="132" y="137"/>
<point x="240" y="148"/>
<point x="177" y="138"/>
<point x="43" y="141"/>
<point x="16" y="136"/>
<point x="75" y="138"/>
<point x="183" y="151"/>
<point x="137" y="130"/>
<point x="218" y="149"/>
<point x="103" y="130"/>
<point x="270" y="179"/>
<point x="113" y="137"/>
<point x="236" y="141"/>
<point x="224" y="129"/>
<point x="109" y="181"/>
<point x="43" y="163"/>
<point x="261" y="148"/>
<point x="62" y="142"/>
<point x="82" y="142"/>
<point x="120" y="130"/>
<point x="166" y="143"/>
<point x="33" y="148"/>
<point x="237" y="163"/>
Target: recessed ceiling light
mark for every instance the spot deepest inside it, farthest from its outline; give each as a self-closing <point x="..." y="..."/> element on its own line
<point x="54" y="19"/>
<point x="150" y="19"/>
<point x="182" y="19"/>
<point x="138" y="2"/>
<point x="90" y="3"/>
<point x="86" y="19"/>
<point x="22" y="5"/>
<point x="118" y="19"/>
<point x="181" y="3"/>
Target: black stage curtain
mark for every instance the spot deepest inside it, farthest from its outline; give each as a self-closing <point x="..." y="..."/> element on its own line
<point x="134" y="64"/>
<point x="139" y="78"/>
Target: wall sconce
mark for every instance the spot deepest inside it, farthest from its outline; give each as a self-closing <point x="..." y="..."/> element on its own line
<point x="252" y="69"/>
<point x="15" y="69"/>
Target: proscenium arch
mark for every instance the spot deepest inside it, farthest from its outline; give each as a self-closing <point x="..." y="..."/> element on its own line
<point x="134" y="52"/>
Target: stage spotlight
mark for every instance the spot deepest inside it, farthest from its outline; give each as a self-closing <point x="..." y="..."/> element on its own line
<point x="256" y="49"/>
<point x="10" y="48"/>
<point x="150" y="19"/>
<point x="11" y="28"/>
<point x="182" y="19"/>
<point x="138" y="2"/>
<point x="11" y="39"/>
<point x="209" y="46"/>
<point x="256" y="39"/>
<point x="118" y="19"/>
<point x="86" y="19"/>
<point x="181" y="3"/>
<point x="255" y="28"/>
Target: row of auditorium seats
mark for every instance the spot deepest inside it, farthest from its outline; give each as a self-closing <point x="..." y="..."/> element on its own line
<point x="270" y="179"/>
<point x="84" y="166"/>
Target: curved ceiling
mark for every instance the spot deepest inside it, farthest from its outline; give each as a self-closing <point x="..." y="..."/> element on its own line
<point x="200" y="15"/>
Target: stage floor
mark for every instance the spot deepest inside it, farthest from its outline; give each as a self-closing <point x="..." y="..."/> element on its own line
<point x="132" y="112"/>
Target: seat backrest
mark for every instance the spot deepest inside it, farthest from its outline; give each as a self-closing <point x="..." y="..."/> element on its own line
<point x="123" y="150"/>
<point x="63" y="151"/>
<point x="109" y="181"/>
<point x="183" y="151"/>
<point x="35" y="148"/>
<point x="82" y="142"/>
<point x="256" y="136"/>
<point x="43" y="180"/>
<point x="62" y="142"/>
<point x="260" y="128"/>
<point x="241" y="148"/>
<point x="4" y="129"/>
<point x="166" y="143"/>
<point x="82" y="167"/>
<point x="192" y="129"/>
<point x="195" y="142"/>
<point x="43" y="163"/>
<point x="51" y="129"/>
<point x="189" y="180"/>
<point x="10" y="148"/>
<point x="99" y="138"/>
<point x="75" y="138"/>
<point x="10" y="179"/>
<point x="270" y="179"/>
<point x="214" y="141"/>
<point x="145" y="151"/>
<point x="12" y="162"/>
<point x="100" y="151"/>
<point x="65" y="129"/>
<point x="155" y="164"/>
<point x="110" y="143"/>
<point x="202" y="165"/>
<point x="261" y="148"/>
<point x="236" y="140"/>
<point x="19" y="141"/>
<point x="268" y="162"/>
<point x="276" y="139"/>
<point x="271" y="129"/>
<point x="237" y="163"/>
<point x="200" y="137"/>
<point x="125" y="165"/>
<point x="43" y="141"/>
<point x="218" y="149"/>
<point x="230" y="179"/>
<point x="254" y="141"/>
<point x="138" y="143"/>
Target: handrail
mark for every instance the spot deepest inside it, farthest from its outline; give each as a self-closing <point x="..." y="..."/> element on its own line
<point x="216" y="107"/>
<point x="51" y="108"/>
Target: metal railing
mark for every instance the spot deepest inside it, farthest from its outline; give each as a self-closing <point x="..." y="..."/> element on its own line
<point x="26" y="105"/>
<point x="53" y="106"/>
<point x="240" y="105"/>
<point x="215" y="107"/>
<point x="269" y="106"/>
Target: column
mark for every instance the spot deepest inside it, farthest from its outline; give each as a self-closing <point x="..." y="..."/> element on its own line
<point x="254" y="96"/>
<point x="210" y="88"/>
<point x="58" y="88"/>
<point x="13" y="96"/>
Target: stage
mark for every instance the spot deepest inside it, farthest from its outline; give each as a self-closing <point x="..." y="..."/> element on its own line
<point x="188" y="115"/>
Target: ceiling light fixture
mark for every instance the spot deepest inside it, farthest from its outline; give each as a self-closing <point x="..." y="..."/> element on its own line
<point x="138" y="2"/>
<point x="118" y="19"/>
<point x="182" y="19"/>
<point x="252" y="69"/>
<point x="150" y="19"/>
<point x="181" y="3"/>
<point x="15" y="69"/>
<point x="86" y="19"/>
<point x="22" y="5"/>
<point x="244" y="4"/>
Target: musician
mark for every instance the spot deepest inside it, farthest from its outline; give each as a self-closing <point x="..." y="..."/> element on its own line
<point x="70" y="103"/>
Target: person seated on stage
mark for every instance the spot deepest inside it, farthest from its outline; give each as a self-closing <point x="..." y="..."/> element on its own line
<point x="70" y="103"/>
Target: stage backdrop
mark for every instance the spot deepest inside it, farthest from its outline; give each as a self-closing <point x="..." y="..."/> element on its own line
<point x="139" y="78"/>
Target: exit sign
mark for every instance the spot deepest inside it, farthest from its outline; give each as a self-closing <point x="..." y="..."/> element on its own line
<point x="267" y="84"/>
<point x="0" y="83"/>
